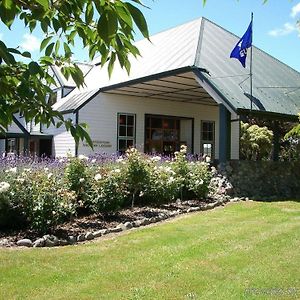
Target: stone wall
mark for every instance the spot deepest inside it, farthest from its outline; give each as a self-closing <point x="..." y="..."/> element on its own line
<point x="263" y="179"/>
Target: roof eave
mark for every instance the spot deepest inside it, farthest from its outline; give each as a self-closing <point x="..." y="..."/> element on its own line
<point x="139" y="80"/>
<point x="268" y="114"/>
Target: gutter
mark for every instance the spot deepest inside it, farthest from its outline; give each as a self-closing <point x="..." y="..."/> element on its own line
<point x="268" y="114"/>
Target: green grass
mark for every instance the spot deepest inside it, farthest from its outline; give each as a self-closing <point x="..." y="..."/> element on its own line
<point x="208" y="255"/>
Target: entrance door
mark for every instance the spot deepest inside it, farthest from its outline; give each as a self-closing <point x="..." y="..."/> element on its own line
<point x="162" y="134"/>
<point x="45" y="147"/>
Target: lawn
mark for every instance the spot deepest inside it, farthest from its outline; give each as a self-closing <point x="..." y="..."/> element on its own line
<point x="247" y="250"/>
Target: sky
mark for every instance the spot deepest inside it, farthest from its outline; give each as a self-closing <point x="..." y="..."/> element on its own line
<point x="274" y="25"/>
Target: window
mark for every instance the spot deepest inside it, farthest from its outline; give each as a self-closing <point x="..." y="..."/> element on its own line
<point x="11" y="145"/>
<point x="126" y="131"/>
<point x="162" y="134"/>
<point x="207" y="138"/>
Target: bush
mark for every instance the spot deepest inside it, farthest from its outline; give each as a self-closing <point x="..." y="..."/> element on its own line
<point x="52" y="202"/>
<point x="199" y="179"/>
<point x="36" y="199"/>
<point x="109" y="191"/>
<point x="41" y="198"/>
<point x="163" y="185"/>
<point x="137" y="173"/>
<point x="256" y="142"/>
<point x="78" y="179"/>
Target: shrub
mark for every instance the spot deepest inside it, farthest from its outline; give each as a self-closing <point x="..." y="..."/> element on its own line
<point x="52" y="202"/>
<point x="137" y="173"/>
<point x="163" y="185"/>
<point x="78" y="180"/>
<point x="36" y="199"/>
<point x="199" y="179"/>
<point x="15" y="199"/>
<point x="256" y="142"/>
<point x="109" y="190"/>
<point x="181" y="168"/>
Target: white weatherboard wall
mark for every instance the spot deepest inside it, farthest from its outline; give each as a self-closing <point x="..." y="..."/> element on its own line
<point x="63" y="142"/>
<point x="101" y="116"/>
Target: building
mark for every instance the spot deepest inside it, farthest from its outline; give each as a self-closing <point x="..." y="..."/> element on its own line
<point x="184" y="89"/>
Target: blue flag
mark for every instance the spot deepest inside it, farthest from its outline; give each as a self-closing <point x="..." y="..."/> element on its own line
<point x="240" y="50"/>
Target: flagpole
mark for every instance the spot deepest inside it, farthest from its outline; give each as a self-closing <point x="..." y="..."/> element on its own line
<point x="251" y="60"/>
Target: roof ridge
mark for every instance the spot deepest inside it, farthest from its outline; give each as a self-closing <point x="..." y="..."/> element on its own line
<point x="199" y="44"/>
<point x="257" y="48"/>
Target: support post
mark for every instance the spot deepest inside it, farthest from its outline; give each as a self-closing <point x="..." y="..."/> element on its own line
<point x="224" y="134"/>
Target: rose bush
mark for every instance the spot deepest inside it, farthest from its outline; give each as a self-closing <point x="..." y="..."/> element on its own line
<point x="40" y="194"/>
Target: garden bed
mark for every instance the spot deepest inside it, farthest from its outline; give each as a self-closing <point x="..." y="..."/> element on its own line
<point x="94" y="226"/>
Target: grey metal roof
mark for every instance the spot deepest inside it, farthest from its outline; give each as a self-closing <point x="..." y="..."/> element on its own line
<point x="84" y="67"/>
<point x="276" y="86"/>
<point x="204" y="45"/>
<point x="71" y="102"/>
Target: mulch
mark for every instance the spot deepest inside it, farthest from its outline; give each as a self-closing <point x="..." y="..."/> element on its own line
<point x="96" y="222"/>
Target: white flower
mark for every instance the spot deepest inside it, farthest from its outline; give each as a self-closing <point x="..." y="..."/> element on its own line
<point x="98" y="177"/>
<point x="156" y="158"/>
<point x="119" y="160"/>
<point x="81" y="180"/>
<point x="117" y="171"/>
<point x="207" y="159"/>
<point x="27" y="170"/>
<point x="46" y="169"/>
<point x="83" y="157"/>
<point x="11" y="170"/>
<point x="50" y="175"/>
<point x="20" y="179"/>
<point x="61" y="160"/>
<point x="199" y="182"/>
<point x="141" y="194"/>
<point x="4" y="186"/>
<point x="183" y="148"/>
<point x="171" y="179"/>
<point x="93" y="160"/>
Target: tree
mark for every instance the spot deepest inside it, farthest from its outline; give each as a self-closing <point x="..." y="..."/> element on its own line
<point x="255" y="142"/>
<point x="104" y="26"/>
<point x="294" y="132"/>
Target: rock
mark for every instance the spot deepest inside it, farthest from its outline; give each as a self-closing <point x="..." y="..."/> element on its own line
<point x="99" y="233"/>
<point x="125" y="226"/>
<point x="145" y="222"/>
<point x="115" y="230"/>
<point x="39" y="243"/>
<point x="50" y="240"/>
<point x="137" y="223"/>
<point x="193" y="209"/>
<point x="81" y="237"/>
<point x="72" y="239"/>
<point x="4" y="243"/>
<point x="63" y="242"/>
<point x="25" y="243"/>
<point x="89" y="236"/>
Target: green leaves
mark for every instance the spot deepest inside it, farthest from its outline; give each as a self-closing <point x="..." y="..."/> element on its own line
<point x="45" y="42"/>
<point x="105" y="28"/>
<point x="107" y="25"/>
<point x="139" y="19"/>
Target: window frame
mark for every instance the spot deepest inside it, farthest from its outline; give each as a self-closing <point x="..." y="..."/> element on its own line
<point x="205" y="141"/>
<point x="126" y="138"/>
